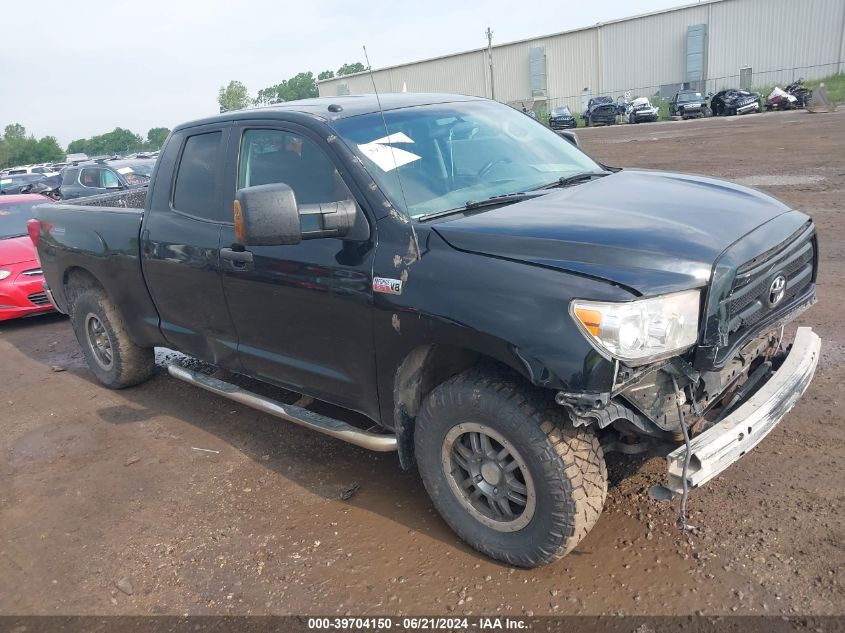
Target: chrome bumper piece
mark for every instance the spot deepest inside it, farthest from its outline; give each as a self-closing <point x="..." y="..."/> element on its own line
<point x="50" y="296"/>
<point x="720" y="446"/>
<point x="748" y="108"/>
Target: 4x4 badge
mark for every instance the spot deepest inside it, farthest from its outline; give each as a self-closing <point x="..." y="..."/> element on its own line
<point x="387" y="286"/>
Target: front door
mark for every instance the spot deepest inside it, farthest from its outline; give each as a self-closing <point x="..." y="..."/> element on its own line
<point x="303" y="313"/>
<point x="180" y="246"/>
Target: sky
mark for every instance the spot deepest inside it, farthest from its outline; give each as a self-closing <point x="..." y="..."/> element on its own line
<point x="83" y="67"/>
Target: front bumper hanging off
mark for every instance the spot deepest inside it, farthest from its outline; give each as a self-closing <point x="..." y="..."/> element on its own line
<point x="723" y="444"/>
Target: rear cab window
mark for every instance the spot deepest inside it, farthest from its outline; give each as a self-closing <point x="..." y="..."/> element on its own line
<point x="195" y="191"/>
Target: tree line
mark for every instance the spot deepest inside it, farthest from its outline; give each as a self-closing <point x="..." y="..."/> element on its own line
<point x="119" y="141"/>
<point x="16" y="148"/>
<point x="236" y="96"/>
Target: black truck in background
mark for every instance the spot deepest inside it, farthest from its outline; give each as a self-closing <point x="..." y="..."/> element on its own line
<point x="451" y="280"/>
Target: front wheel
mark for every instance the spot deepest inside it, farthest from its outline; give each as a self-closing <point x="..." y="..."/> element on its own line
<point x="506" y="470"/>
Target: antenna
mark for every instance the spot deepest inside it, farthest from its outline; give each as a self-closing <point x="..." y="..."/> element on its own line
<point x="390" y="145"/>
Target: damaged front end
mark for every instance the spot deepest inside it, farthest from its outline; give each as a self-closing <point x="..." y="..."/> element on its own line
<point x="727" y="412"/>
<point x="725" y="394"/>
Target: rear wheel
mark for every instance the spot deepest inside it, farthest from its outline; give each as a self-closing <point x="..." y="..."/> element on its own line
<point x="505" y="469"/>
<point x="115" y="359"/>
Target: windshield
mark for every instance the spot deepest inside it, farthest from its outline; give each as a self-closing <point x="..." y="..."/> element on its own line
<point x="562" y="111"/>
<point x="690" y="96"/>
<point x="439" y="157"/>
<point x="13" y="217"/>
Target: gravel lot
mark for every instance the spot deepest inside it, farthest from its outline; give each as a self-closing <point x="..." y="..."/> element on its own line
<point x="108" y="505"/>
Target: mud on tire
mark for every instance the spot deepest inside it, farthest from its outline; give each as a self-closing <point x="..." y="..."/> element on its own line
<point x="564" y="465"/>
<point x="115" y="359"/>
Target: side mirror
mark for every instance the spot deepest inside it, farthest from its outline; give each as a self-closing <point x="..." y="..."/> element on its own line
<point x="268" y="215"/>
<point x="570" y="136"/>
<point x="113" y="185"/>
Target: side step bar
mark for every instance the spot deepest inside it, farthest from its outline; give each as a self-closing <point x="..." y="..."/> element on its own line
<point x="291" y="413"/>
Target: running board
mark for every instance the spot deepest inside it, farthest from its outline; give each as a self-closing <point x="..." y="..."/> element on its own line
<point x="291" y="413"/>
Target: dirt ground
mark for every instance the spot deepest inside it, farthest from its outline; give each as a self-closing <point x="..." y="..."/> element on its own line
<point x="165" y="499"/>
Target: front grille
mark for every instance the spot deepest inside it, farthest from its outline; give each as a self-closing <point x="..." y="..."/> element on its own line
<point x="748" y="302"/>
<point x="33" y="272"/>
<point x="39" y="299"/>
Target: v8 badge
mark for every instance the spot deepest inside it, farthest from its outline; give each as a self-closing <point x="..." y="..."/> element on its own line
<point x="387" y="286"/>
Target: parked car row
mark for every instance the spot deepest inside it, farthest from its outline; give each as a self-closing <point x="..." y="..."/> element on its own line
<point x="21" y="189"/>
<point x="86" y="178"/>
<point x="684" y="104"/>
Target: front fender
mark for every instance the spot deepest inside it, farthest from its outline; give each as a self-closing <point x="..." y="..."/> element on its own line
<point x="511" y="312"/>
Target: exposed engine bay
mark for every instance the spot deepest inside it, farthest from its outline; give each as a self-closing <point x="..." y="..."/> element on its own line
<point x="645" y="402"/>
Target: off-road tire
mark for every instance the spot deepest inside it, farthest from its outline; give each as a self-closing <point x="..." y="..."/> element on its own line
<point x="566" y="464"/>
<point x="131" y="364"/>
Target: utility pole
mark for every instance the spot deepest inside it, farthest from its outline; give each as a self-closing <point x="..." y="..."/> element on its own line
<point x="489" y="35"/>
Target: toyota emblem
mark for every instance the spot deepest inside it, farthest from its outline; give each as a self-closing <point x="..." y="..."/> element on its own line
<point x="777" y="290"/>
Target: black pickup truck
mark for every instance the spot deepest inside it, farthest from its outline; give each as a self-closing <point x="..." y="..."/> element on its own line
<point x="444" y="277"/>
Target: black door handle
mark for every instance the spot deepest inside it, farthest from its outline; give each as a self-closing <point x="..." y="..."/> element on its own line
<point x="240" y="257"/>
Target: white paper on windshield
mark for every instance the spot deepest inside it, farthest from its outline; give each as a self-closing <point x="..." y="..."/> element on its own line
<point x="384" y="155"/>
<point x="125" y="170"/>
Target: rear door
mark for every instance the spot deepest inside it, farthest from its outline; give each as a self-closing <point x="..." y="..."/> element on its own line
<point x="303" y="313"/>
<point x="180" y="243"/>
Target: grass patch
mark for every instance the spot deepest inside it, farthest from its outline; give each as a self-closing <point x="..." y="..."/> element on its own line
<point x="835" y="85"/>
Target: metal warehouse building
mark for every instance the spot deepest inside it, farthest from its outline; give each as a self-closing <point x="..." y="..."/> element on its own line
<point x="709" y="46"/>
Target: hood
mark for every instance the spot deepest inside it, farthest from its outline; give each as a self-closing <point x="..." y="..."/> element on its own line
<point x="740" y="96"/>
<point x="15" y="250"/>
<point x="653" y="232"/>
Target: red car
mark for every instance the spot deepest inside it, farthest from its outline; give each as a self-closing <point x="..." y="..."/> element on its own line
<point x="21" y="290"/>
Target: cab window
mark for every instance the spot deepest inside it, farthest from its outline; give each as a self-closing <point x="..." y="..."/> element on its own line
<point x="90" y="177"/>
<point x="195" y="191"/>
<point x="110" y="179"/>
<point x="276" y="156"/>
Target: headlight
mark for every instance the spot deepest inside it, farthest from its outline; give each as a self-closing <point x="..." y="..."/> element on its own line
<point x="5" y="273"/>
<point x="641" y="331"/>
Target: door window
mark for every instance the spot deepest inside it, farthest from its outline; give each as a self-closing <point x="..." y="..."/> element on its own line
<point x="110" y="179"/>
<point x="276" y="156"/>
<point x="196" y="181"/>
<point x="90" y="177"/>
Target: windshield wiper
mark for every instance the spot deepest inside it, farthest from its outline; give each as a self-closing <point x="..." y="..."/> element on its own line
<point x="472" y="205"/>
<point x="574" y="179"/>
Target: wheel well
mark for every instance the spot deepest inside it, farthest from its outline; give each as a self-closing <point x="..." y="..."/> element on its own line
<point x="421" y="371"/>
<point x="76" y="281"/>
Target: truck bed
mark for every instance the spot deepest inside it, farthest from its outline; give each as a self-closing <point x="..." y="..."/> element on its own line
<point x="129" y="199"/>
<point x="99" y="237"/>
